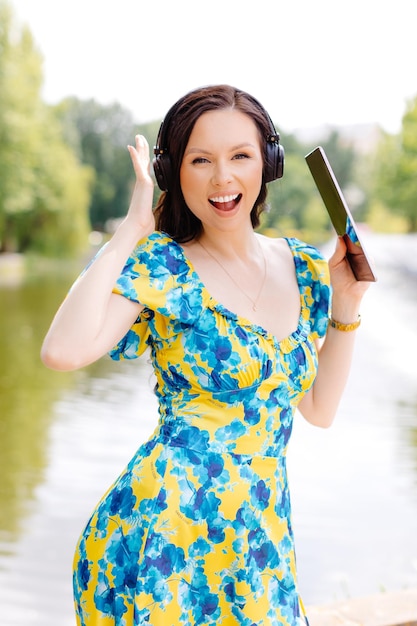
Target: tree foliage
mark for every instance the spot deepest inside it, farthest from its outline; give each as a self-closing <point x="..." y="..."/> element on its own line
<point x="99" y="135"/>
<point x="295" y="205"/>
<point x="396" y="169"/>
<point x="44" y="192"/>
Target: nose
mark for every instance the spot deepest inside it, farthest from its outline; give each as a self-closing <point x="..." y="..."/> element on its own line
<point x="222" y="173"/>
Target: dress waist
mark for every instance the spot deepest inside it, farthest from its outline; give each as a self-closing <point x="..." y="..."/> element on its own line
<point x="177" y="434"/>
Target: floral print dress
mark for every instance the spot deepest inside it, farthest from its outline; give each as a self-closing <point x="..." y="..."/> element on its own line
<point x="197" y="529"/>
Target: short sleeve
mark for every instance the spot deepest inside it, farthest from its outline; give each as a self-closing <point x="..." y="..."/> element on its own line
<point x="158" y="276"/>
<point x="314" y="281"/>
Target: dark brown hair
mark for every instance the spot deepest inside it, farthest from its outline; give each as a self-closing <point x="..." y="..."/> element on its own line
<point x="172" y="213"/>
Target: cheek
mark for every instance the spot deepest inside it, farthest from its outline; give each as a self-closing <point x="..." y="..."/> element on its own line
<point x="254" y="172"/>
<point x="256" y="182"/>
<point x="187" y="192"/>
<point x="191" y="183"/>
<point x="187" y="181"/>
<point x="190" y="188"/>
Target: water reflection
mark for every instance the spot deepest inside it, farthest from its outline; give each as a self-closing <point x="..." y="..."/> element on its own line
<point x="354" y="496"/>
<point x="64" y="438"/>
<point x="27" y="392"/>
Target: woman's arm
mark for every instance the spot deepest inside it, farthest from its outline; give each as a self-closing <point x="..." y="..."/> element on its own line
<point x="320" y="404"/>
<point x="92" y="319"/>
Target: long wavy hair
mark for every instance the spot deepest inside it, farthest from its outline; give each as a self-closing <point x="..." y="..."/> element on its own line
<point x="172" y="214"/>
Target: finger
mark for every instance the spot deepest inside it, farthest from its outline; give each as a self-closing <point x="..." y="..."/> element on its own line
<point x="141" y="143"/>
<point x="341" y="245"/>
<point x="140" y="155"/>
<point x="340" y="250"/>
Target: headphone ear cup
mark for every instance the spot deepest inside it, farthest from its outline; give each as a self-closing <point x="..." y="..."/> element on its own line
<point x="162" y="169"/>
<point x="274" y="161"/>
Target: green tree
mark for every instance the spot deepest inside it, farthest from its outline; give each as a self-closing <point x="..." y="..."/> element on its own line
<point x="99" y="135"/>
<point x="59" y="221"/>
<point x="20" y="80"/>
<point x="44" y="192"/>
<point x="396" y="169"/>
<point x="296" y="207"/>
<point x="341" y="156"/>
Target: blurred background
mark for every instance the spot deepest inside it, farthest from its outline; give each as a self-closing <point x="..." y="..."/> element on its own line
<point x="77" y="81"/>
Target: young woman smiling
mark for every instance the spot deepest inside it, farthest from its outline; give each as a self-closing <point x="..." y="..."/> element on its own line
<point x="197" y="529"/>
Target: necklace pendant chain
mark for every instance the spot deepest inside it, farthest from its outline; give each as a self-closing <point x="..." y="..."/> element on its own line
<point x="253" y="301"/>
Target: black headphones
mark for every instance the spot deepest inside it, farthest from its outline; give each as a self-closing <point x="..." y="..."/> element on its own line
<point x="274" y="152"/>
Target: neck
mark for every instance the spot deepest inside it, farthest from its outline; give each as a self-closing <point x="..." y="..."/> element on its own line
<point x="234" y="261"/>
<point x="231" y="244"/>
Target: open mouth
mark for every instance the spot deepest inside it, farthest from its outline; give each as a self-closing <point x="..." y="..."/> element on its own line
<point x="225" y="203"/>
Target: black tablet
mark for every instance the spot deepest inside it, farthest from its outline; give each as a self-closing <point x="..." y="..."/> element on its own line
<point x="340" y="214"/>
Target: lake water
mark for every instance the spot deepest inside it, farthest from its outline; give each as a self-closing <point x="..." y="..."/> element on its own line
<point x="65" y="436"/>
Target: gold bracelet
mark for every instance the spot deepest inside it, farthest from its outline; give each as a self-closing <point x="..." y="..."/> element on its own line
<point x="345" y="327"/>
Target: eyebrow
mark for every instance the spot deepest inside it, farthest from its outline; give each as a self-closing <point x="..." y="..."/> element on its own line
<point x="202" y="151"/>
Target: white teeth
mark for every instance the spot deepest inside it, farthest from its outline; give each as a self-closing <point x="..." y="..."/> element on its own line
<point x="224" y="198"/>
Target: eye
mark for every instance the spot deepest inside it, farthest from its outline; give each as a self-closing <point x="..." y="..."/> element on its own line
<point x="198" y="160"/>
<point x="241" y="155"/>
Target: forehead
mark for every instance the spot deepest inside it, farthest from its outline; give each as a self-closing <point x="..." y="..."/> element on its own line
<point x="225" y="125"/>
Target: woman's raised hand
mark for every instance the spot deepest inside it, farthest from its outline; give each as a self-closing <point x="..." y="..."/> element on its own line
<point x="92" y="318"/>
<point x="140" y="213"/>
<point x="347" y="291"/>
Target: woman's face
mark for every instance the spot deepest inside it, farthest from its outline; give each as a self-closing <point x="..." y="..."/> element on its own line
<point x="221" y="171"/>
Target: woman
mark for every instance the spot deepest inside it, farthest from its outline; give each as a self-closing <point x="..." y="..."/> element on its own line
<point x="197" y="529"/>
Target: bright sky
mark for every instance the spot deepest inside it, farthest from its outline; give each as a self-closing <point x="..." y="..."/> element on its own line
<point x="309" y="62"/>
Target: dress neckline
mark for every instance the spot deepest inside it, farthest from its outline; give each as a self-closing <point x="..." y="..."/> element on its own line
<point x="287" y="343"/>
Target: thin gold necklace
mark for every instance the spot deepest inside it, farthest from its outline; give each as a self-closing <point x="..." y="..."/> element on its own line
<point x="254" y="301"/>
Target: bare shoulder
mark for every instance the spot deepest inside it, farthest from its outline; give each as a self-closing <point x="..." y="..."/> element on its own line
<point x="278" y="252"/>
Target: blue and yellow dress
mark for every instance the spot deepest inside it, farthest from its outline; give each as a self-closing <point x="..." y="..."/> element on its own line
<point x="197" y="529"/>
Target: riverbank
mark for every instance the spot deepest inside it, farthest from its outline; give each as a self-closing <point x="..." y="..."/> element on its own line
<point x="15" y="268"/>
<point x="383" y="609"/>
<point x="12" y="269"/>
